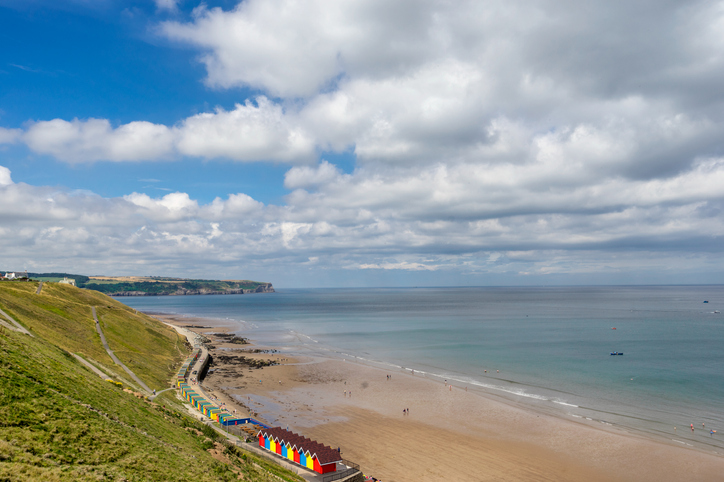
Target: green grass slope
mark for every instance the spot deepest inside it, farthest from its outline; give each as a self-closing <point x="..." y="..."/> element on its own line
<point x="62" y="422"/>
<point x="62" y="314"/>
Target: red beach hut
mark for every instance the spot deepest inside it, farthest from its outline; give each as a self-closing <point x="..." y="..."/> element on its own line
<point x="317" y="457"/>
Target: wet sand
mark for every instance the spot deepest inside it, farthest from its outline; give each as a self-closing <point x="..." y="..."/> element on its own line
<point x="449" y="434"/>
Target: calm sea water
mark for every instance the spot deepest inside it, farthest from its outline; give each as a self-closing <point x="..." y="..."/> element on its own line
<point x="551" y="345"/>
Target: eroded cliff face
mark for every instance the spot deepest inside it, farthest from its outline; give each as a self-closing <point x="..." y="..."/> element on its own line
<point x="262" y="288"/>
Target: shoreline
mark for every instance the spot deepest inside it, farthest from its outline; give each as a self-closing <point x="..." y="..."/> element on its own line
<point x="477" y="435"/>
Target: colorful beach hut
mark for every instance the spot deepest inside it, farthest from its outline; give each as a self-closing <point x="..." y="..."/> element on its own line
<point x="303" y="451"/>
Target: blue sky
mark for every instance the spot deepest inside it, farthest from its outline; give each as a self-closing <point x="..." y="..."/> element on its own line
<point x="364" y="143"/>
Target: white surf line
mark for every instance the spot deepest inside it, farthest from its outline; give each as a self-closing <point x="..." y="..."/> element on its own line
<point x="679" y="441"/>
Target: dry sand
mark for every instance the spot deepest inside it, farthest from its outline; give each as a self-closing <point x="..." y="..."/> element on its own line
<point x="450" y="433"/>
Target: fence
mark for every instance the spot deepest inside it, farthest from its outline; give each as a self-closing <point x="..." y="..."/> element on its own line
<point x="353" y="468"/>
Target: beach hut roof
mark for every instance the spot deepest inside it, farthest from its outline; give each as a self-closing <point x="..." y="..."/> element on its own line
<point x="325" y="455"/>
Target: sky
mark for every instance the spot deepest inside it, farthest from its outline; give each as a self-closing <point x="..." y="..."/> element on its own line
<point x="347" y="143"/>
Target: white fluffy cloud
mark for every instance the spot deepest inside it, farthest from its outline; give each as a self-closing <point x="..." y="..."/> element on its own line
<point x="95" y="139"/>
<point x="296" y="48"/>
<point x="5" y="178"/>
<point x="248" y="133"/>
<point x="253" y="131"/>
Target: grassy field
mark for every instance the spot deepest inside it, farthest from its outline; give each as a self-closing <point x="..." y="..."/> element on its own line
<point x="62" y="422"/>
<point x="62" y="313"/>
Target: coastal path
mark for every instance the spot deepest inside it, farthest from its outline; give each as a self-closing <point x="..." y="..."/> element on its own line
<point x="40" y="287"/>
<point x="114" y="357"/>
<point x="15" y="325"/>
<point x="152" y="397"/>
<point x="90" y="366"/>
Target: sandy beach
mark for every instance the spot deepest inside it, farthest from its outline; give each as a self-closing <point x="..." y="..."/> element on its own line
<point x="450" y="433"/>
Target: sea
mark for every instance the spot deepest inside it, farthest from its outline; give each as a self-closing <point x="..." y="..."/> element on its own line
<point x="548" y="348"/>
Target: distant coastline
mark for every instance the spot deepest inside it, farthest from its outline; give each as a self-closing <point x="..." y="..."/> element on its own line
<point x="262" y="288"/>
<point x="157" y="285"/>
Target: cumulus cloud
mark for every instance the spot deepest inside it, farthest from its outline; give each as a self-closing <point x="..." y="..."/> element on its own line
<point x="172" y="206"/>
<point x="248" y="133"/>
<point x="293" y="49"/>
<point x="95" y="139"/>
<point x="306" y="176"/>
<point x="5" y="178"/>
<point x="253" y="131"/>
<point x="412" y="81"/>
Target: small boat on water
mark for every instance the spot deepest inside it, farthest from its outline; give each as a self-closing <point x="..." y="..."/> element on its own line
<point x="616" y="353"/>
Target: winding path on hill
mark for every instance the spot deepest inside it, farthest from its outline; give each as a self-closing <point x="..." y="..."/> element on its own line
<point x="113" y="355"/>
<point x="90" y="366"/>
<point x="152" y="397"/>
<point x="18" y="326"/>
<point x="40" y="287"/>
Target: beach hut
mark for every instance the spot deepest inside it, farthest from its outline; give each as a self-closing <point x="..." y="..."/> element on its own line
<point x="310" y="461"/>
<point x="294" y="447"/>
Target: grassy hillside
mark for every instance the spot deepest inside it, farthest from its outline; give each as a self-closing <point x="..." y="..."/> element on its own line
<point x="62" y="313"/>
<point x="62" y="422"/>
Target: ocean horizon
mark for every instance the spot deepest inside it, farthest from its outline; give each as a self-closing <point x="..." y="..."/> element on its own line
<point x="546" y="348"/>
